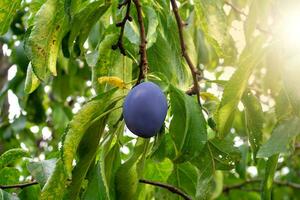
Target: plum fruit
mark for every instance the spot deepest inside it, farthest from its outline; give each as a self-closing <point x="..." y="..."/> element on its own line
<point x="145" y="109"/>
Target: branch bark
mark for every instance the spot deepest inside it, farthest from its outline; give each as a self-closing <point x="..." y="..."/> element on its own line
<point x="143" y="53"/>
<point x="119" y="44"/>
<point x="168" y="187"/>
<point x="21" y="185"/>
<point x="280" y="183"/>
<point x="233" y="7"/>
<point x="180" y="24"/>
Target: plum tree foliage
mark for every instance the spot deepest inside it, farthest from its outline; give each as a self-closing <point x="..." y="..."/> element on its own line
<point x="211" y="88"/>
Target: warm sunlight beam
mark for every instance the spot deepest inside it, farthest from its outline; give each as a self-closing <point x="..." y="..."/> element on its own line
<point x="291" y="29"/>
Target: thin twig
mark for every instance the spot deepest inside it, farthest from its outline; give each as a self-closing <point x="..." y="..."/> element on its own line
<point x="168" y="187"/>
<point x="143" y="54"/>
<point x="233" y="7"/>
<point x="122" y="24"/>
<point x="180" y="24"/>
<point x="20" y="185"/>
<point x="280" y="183"/>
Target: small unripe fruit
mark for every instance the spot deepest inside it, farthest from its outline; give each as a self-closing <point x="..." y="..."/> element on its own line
<point x="145" y="109"/>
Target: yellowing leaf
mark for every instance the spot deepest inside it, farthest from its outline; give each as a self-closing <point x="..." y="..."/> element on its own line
<point x="112" y="80"/>
<point x="8" y="9"/>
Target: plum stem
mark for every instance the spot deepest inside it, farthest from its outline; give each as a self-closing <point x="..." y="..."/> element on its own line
<point x="193" y="69"/>
<point x="143" y="43"/>
<point x="171" y="188"/>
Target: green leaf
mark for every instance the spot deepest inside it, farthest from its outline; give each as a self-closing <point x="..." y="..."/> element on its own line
<point x="112" y="161"/>
<point x="79" y="125"/>
<point x="269" y="176"/>
<point x="86" y="157"/>
<point x="188" y="126"/>
<point x="107" y="59"/>
<point x="184" y="177"/>
<point x="7" y="11"/>
<point x="281" y="138"/>
<point x="226" y="156"/>
<point x="95" y="188"/>
<point x="175" y="71"/>
<point x="127" y="175"/>
<point x="254" y="120"/>
<point x="84" y="20"/>
<point x="152" y="26"/>
<point x="206" y="168"/>
<point x="32" y="192"/>
<point x="158" y="171"/>
<point x="235" y="87"/>
<point x="213" y="22"/>
<point x="7" y="196"/>
<point x="55" y="185"/>
<point x="9" y="176"/>
<point x="45" y="38"/>
<point x="42" y="170"/>
<point x="31" y="82"/>
<point x="11" y="156"/>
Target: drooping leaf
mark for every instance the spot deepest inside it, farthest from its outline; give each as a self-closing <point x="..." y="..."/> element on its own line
<point x="11" y="156"/>
<point x="7" y="11"/>
<point x="42" y="170"/>
<point x="44" y="41"/>
<point x="127" y="175"/>
<point x="254" y="120"/>
<point x="112" y="162"/>
<point x="188" y="126"/>
<point x="213" y="22"/>
<point x="269" y="177"/>
<point x="80" y="123"/>
<point x="235" y="87"/>
<point x="95" y="189"/>
<point x="86" y="157"/>
<point x="281" y="138"/>
<point x="55" y="185"/>
<point x="31" y="82"/>
<point x="84" y="20"/>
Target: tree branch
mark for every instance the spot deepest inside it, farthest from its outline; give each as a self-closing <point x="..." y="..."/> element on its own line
<point x="168" y="187"/>
<point x="119" y="44"/>
<point x="233" y="7"/>
<point x="180" y="24"/>
<point x="21" y="185"/>
<point x="280" y="183"/>
<point x="143" y="54"/>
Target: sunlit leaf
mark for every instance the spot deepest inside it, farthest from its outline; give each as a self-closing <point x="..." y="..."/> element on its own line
<point x="280" y="140"/>
<point x="254" y="120"/>
<point x="236" y="86"/>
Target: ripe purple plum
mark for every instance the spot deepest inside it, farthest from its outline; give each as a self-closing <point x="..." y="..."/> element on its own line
<point x="145" y="109"/>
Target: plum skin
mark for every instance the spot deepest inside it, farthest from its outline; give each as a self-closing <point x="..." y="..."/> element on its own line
<point x="145" y="109"/>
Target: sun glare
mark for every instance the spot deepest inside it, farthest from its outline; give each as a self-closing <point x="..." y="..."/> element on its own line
<point x="291" y="29"/>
